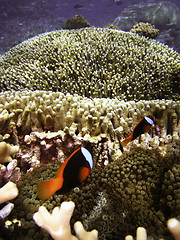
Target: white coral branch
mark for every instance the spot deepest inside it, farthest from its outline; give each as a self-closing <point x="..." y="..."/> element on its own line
<point x="58" y="223"/>
<point x="6" y="150"/>
<point x="8" y="192"/>
<point x="82" y="234"/>
<point x="5" y="211"/>
<point x="141" y="234"/>
<point x="174" y="226"/>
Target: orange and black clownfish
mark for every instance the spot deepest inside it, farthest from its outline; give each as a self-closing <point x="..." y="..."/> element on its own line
<point x="143" y="126"/>
<point x="71" y="173"/>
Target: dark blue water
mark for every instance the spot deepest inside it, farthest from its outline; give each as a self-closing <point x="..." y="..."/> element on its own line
<point x="21" y="19"/>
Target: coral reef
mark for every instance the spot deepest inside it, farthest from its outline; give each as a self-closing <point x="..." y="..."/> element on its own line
<point x="76" y="22"/>
<point x="58" y="223"/>
<point x="47" y="126"/>
<point x="145" y="29"/>
<point x="93" y="62"/>
<point x="36" y="111"/>
<point x="137" y="182"/>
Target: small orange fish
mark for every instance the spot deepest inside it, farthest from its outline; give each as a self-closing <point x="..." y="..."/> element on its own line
<point x="143" y="126"/>
<point x="71" y="173"/>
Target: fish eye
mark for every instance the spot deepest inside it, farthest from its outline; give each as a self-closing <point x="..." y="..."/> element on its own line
<point x="87" y="156"/>
<point x="149" y="120"/>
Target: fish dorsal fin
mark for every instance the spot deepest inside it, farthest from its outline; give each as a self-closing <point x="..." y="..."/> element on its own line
<point x="149" y="120"/>
<point x="87" y="156"/>
<point x="59" y="172"/>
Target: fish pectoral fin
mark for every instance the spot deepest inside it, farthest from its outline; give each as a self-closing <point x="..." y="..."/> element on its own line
<point x="126" y="141"/>
<point x="47" y="188"/>
<point x="83" y="173"/>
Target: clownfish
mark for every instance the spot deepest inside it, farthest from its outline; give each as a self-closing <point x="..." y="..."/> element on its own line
<point x="143" y="126"/>
<point x="71" y="173"/>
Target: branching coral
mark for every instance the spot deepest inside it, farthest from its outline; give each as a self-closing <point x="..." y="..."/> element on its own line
<point x="93" y="62"/>
<point x="174" y="227"/>
<point x="140" y="234"/>
<point x="49" y="125"/>
<point x="6" y="150"/>
<point x="58" y="223"/>
<point x="42" y="110"/>
<point x="10" y="172"/>
<point x="5" y="211"/>
<point x="137" y="182"/>
<point x="84" y="235"/>
<point x="137" y="188"/>
<point x="8" y="192"/>
<point x="76" y="22"/>
<point x="145" y="29"/>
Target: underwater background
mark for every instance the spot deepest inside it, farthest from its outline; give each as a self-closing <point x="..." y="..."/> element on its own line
<point x="85" y="73"/>
<point x="20" y="19"/>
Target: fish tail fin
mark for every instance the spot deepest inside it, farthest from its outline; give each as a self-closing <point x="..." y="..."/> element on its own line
<point x="125" y="142"/>
<point x="47" y="188"/>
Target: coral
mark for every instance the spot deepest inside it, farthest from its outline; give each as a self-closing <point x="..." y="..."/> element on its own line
<point x="174" y="227"/>
<point x="141" y="188"/>
<point x="49" y="126"/>
<point x="41" y="110"/>
<point x="8" y="192"/>
<point x="140" y="234"/>
<point x="8" y="171"/>
<point x="11" y="172"/>
<point x="93" y="62"/>
<point x="137" y="182"/>
<point x="5" y="211"/>
<point x="76" y="22"/>
<point x="6" y="150"/>
<point x="145" y="29"/>
<point x="100" y="82"/>
<point x="111" y="26"/>
<point x="84" y="235"/>
<point x="58" y="223"/>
